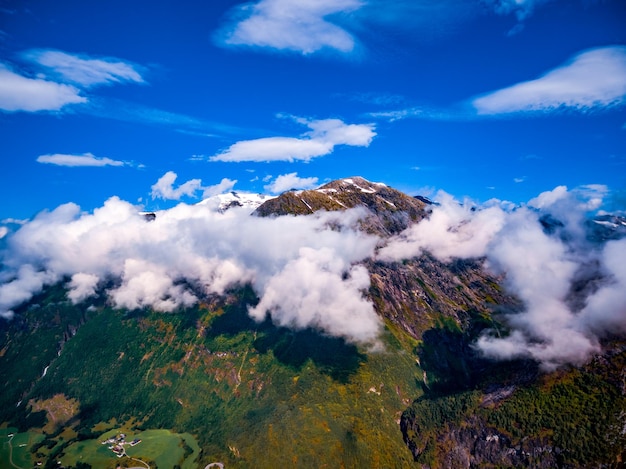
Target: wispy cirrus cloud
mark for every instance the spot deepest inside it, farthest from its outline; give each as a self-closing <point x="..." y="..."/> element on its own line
<point x="285" y="182"/>
<point x="84" y="70"/>
<point x="66" y="81"/>
<point x="420" y="112"/>
<point x="86" y="159"/>
<point x="593" y="79"/>
<point x="320" y="140"/>
<point x="454" y="113"/>
<point x="128" y="111"/>
<point x="303" y="26"/>
<point x="60" y="79"/>
<point x="522" y="9"/>
<point x="21" y="93"/>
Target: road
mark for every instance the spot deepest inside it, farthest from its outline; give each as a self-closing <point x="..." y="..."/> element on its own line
<point x="139" y="460"/>
<point x="11" y="453"/>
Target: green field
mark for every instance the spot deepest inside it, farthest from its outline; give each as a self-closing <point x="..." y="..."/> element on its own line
<point x="163" y="447"/>
<point x="20" y="444"/>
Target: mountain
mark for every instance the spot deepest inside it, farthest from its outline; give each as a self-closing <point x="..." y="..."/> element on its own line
<point x="209" y="383"/>
<point x="605" y="227"/>
<point x="391" y="210"/>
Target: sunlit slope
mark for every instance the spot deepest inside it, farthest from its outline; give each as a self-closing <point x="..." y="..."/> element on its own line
<point x="252" y="394"/>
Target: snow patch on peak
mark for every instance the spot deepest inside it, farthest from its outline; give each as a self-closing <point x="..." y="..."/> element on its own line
<point x="352" y="182"/>
<point x="247" y="200"/>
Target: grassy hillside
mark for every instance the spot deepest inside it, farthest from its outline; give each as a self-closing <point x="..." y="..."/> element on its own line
<point x="253" y="395"/>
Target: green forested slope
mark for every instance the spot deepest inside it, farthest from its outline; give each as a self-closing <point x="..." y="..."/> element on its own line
<point x="253" y="395"/>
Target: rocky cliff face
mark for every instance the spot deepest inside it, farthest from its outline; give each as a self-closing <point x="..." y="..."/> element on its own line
<point x="415" y="294"/>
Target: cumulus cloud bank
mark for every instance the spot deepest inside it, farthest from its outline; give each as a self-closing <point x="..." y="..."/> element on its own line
<point x="306" y="270"/>
<point x="541" y="259"/>
<point x="303" y="271"/>
<point x="320" y="140"/>
<point x="297" y="25"/>
<point x="592" y="79"/>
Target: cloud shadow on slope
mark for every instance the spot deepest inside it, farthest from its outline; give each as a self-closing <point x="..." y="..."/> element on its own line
<point x="293" y="348"/>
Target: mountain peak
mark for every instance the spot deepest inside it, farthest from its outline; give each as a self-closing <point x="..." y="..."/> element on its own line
<point x="391" y="211"/>
<point x="353" y="183"/>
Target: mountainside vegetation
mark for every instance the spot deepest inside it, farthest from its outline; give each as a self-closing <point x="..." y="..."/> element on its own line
<point x="207" y="383"/>
<point x="253" y="395"/>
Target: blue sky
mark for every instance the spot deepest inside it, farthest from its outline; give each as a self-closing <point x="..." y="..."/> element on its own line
<point x="159" y="102"/>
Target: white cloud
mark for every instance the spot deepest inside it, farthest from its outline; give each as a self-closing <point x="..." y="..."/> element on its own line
<point x="321" y="140"/>
<point x="274" y="149"/>
<point x="84" y="70"/>
<point x="605" y="310"/>
<point x="452" y="230"/>
<point x="298" y="25"/>
<point x="26" y="281"/>
<point x="164" y="187"/>
<point x="312" y="289"/>
<point x="65" y="75"/>
<point x="548" y="198"/>
<point x="147" y="284"/>
<point x="14" y="221"/>
<point x="224" y="185"/>
<point x="539" y="266"/>
<point x="82" y="286"/>
<point x="192" y="250"/>
<point x="540" y="269"/>
<point x="86" y="159"/>
<point x="20" y="93"/>
<point x="592" y="79"/>
<point x="3" y="231"/>
<point x="285" y="182"/>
